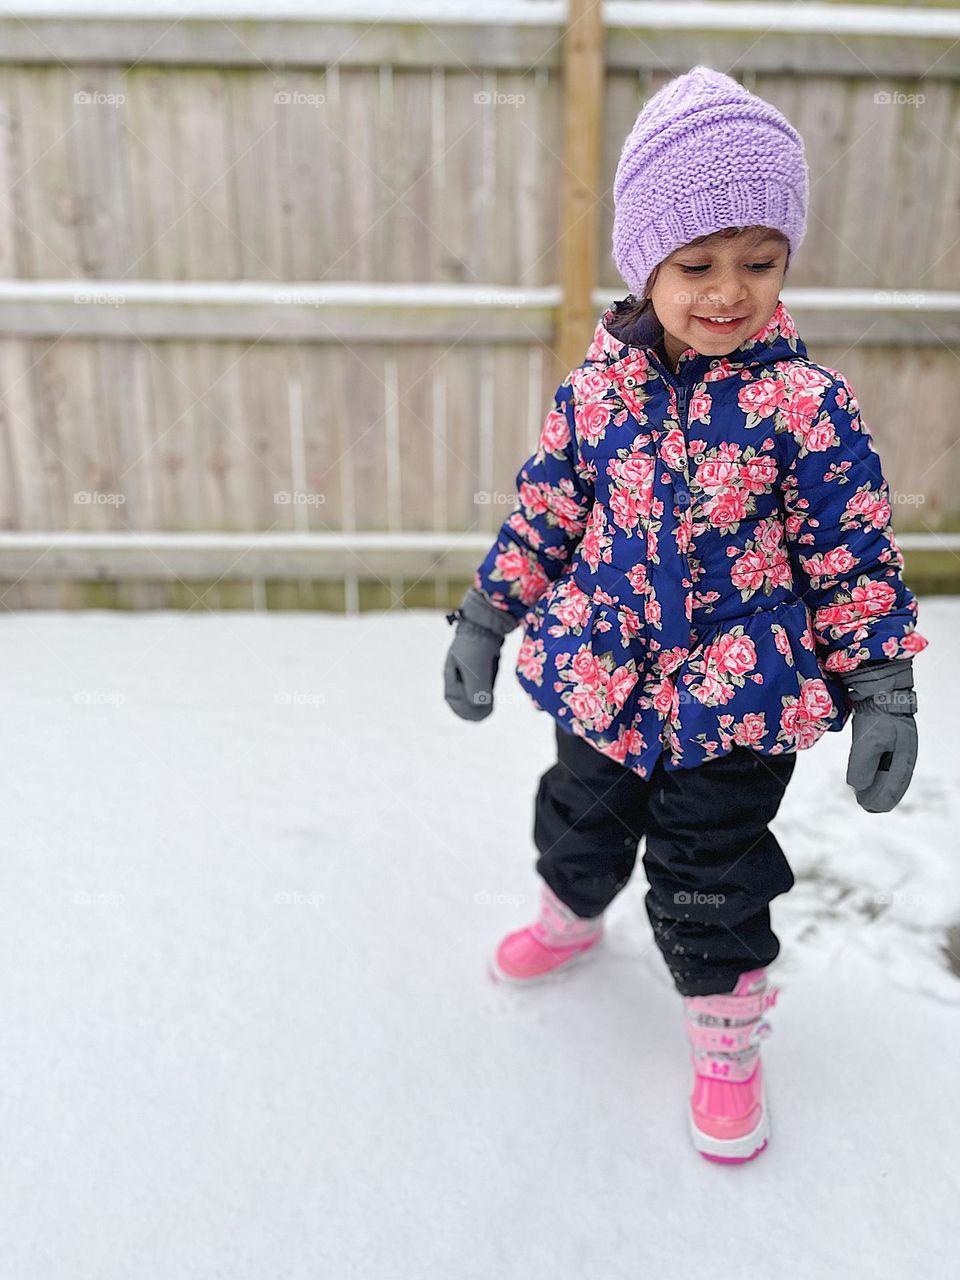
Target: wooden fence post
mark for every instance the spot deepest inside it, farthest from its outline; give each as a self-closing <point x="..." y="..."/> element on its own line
<point x="583" y="81"/>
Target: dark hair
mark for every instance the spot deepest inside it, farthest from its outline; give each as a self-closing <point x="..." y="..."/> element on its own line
<point x="633" y="307"/>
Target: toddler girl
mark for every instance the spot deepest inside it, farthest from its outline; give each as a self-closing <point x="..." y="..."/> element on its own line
<point x="703" y="561"/>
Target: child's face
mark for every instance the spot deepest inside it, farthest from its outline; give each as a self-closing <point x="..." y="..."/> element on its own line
<point x="732" y="279"/>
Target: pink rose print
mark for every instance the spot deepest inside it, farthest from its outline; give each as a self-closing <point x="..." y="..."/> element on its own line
<point x="524" y="529"/>
<point x="666" y="698"/>
<point x="672" y="449"/>
<point x="796" y="413"/>
<point x="769" y="537"/>
<point x="751" y="729"/>
<point x="636" y="469"/>
<point x="568" y="512"/>
<point x="592" y="421"/>
<point x="619" y="685"/>
<point x="832" y="564"/>
<point x="669" y="659"/>
<point x="587" y="669"/>
<point x="533" y="583"/>
<point x="748" y="571"/>
<point x="555" y="435"/>
<point x="869" y="506"/>
<point x="595" y="543"/>
<point x="802" y="719"/>
<point x="698" y="410"/>
<point x="512" y="564"/>
<point x="711" y="690"/>
<point x="530" y="659"/>
<point x="727" y="509"/>
<point x="533" y="498"/>
<point x="630" y="624"/>
<point x="873" y="598"/>
<point x="625" y="509"/>
<point x="588" y="708"/>
<point x="914" y="642"/>
<point x="574" y="611"/>
<point x="590" y="382"/>
<point x="840" y="660"/>
<point x="818" y="436"/>
<point x="782" y="642"/>
<point x="637" y="577"/>
<point x="714" y="473"/>
<point x="734" y="654"/>
<point x="801" y="377"/>
<point x="758" y="474"/>
<point x="816" y="700"/>
<point x="616" y="750"/>
<point x="761" y="397"/>
<point x="684" y="532"/>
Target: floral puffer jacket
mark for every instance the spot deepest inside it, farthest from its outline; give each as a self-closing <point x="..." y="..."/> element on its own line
<point x="697" y="556"/>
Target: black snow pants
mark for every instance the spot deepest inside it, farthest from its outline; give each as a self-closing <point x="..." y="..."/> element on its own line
<point x="711" y="861"/>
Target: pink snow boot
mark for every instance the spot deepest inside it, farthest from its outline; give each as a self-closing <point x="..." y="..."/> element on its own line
<point x="556" y="941"/>
<point x="728" y="1112"/>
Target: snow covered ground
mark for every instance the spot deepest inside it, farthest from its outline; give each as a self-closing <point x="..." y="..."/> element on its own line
<point x="250" y="876"/>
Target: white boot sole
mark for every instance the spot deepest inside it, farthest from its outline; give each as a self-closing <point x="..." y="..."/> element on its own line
<point x="733" y="1148"/>
<point x="580" y="957"/>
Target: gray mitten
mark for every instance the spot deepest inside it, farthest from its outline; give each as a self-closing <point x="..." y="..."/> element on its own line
<point x="474" y="655"/>
<point x="884" y="748"/>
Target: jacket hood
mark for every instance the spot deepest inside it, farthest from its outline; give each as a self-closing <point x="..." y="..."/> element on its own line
<point x="618" y="337"/>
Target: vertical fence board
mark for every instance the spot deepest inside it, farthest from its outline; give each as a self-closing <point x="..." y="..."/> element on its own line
<point x="256" y="124"/>
<point x="408" y="135"/>
<point x="310" y="174"/>
<point x="209" y="245"/>
<point x="98" y="161"/>
<point x="152" y="159"/>
<point x="49" y="206"/>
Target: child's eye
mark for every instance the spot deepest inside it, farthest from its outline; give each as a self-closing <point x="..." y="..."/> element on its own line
<point x="754" y="266"/>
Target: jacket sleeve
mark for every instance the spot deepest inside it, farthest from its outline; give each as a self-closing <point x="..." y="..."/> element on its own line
<point x="839" y="533"/>
<point x="554" y="495"/>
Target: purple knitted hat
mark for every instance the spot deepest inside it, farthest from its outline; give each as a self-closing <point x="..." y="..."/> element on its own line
<point x="704" y="154"/>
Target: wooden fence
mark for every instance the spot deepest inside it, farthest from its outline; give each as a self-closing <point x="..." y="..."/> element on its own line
<point x="297" y="275"/>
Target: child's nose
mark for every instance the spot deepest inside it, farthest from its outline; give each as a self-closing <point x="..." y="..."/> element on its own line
<point x="726" y="288"/>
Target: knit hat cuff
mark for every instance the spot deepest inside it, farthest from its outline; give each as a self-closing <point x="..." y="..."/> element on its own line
<point x="739" y="204"/>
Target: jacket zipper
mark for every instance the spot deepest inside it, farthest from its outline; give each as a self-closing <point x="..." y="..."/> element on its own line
<point x="682" y="393"/>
